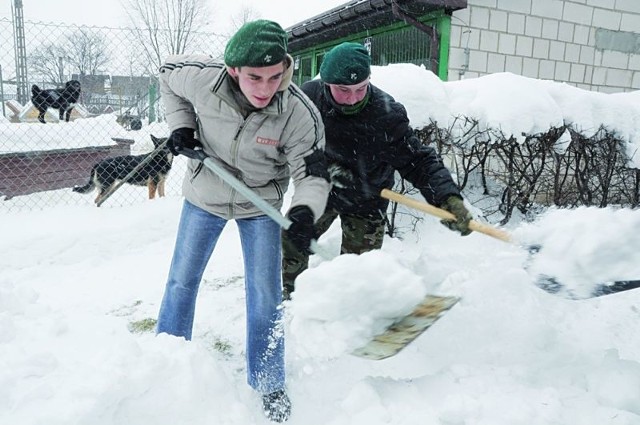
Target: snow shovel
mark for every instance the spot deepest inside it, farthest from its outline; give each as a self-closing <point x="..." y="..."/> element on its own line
<point x="401" y="332"/>
<point x="547" y="283"/>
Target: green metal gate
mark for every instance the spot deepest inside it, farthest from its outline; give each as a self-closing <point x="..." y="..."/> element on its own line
<point x="398" y="43"/>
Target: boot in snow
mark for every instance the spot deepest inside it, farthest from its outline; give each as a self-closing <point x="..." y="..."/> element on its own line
<point x="277" y="406"/>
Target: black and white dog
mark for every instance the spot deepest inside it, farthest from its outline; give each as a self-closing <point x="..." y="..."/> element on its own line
<point x="63" y="99"/>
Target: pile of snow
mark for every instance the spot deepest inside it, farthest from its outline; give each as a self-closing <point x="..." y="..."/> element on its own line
<point x="511" y="103"/>
<point x="585" y="247"/>
<point x="95" y="131"/>
<point x="367" y="304"/>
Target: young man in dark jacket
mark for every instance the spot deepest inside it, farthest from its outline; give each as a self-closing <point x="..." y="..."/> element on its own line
<point x="368" y="138"/>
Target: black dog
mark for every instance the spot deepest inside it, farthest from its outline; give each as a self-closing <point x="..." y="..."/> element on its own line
<point x="153" y="174"/>
<point x="63" y="99"/>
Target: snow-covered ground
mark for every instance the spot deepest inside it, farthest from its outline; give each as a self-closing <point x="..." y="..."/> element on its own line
<point x="75" y="280"/>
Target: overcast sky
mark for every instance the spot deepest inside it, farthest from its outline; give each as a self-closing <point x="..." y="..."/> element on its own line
<point x="111" y="13"/>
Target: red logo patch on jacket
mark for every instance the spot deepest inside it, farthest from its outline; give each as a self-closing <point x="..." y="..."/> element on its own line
<point x="265" y="141"/>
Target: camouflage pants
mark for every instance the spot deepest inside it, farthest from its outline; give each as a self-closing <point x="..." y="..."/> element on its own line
<point x="359" y="234"/>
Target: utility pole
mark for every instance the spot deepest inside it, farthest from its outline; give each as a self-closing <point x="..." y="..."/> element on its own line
<point x="22" y="90"/>
<point x="4" y="112"/>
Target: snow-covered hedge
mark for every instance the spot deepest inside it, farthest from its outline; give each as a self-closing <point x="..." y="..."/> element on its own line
<point x="522" y="142"/>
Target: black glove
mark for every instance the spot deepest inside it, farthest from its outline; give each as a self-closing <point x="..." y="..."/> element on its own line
<point x="455" y="206"/>
<point x="301" y="230"/>
<point x="182" y="138"/>
<point x="340" y="177"/>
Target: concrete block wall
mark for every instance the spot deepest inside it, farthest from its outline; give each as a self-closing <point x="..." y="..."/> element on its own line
<point x="591" y="44"/>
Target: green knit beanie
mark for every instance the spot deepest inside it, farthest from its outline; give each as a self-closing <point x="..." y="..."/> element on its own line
<point x="347" y="64"/>
<point x="256" y="44"/>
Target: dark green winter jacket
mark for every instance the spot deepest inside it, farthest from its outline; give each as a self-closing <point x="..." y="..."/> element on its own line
<point x="371" y="144"/>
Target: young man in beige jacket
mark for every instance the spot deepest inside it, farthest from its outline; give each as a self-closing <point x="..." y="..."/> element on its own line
<point x="251" y="120"/>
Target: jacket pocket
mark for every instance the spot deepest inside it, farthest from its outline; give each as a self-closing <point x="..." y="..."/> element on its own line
<point x="271" y="192"/>
<point x="278" y="188"/>
<point x="196" y="171"/>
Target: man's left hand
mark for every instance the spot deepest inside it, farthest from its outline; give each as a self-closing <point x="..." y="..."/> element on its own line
<point x="455" y="206"/>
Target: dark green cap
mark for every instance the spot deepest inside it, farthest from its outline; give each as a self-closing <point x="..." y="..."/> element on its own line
<point x="347" y="64"/>
<point x="256" y="44"/>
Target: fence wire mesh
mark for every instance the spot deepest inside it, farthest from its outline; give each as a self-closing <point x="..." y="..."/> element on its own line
<point x="118" y="110"/>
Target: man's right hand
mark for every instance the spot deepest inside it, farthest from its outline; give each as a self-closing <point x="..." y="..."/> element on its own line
<point x="182" y="138"/>
<point x="455" y="206"/>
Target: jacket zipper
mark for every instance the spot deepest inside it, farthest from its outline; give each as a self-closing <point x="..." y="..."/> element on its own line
<point x="236" y="142"/>
<point x="234" y="161"/>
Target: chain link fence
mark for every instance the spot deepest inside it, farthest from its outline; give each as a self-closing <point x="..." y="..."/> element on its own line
<point x="117" y="112"/>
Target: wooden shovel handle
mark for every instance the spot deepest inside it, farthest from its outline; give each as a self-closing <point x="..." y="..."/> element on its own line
<point x="438" y="212"/>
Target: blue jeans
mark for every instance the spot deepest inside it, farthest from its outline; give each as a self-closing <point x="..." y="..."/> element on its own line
<point x="198" y="233"/>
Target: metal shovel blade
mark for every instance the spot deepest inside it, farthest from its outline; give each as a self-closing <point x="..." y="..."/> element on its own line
<point x="405" y="330"/>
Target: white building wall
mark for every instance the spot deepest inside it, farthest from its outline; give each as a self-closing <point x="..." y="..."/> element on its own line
<point x="591" y="44"/>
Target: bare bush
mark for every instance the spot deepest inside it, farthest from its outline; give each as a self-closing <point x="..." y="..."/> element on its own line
<point x="535" y="172"/>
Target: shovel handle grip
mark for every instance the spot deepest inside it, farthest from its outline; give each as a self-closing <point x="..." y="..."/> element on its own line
<point x="445" y="215"/>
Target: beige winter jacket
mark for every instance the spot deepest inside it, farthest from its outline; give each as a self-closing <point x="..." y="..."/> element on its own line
<point x="281" y="141"/>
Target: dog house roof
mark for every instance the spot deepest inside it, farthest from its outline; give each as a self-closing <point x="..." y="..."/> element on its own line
<point x="360" y="15"/>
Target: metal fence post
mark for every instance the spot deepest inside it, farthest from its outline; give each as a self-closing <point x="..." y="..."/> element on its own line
<point x="153" y="93"/>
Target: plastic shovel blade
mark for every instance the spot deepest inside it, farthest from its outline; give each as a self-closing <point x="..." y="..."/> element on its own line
<point x="408" y="328"/>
